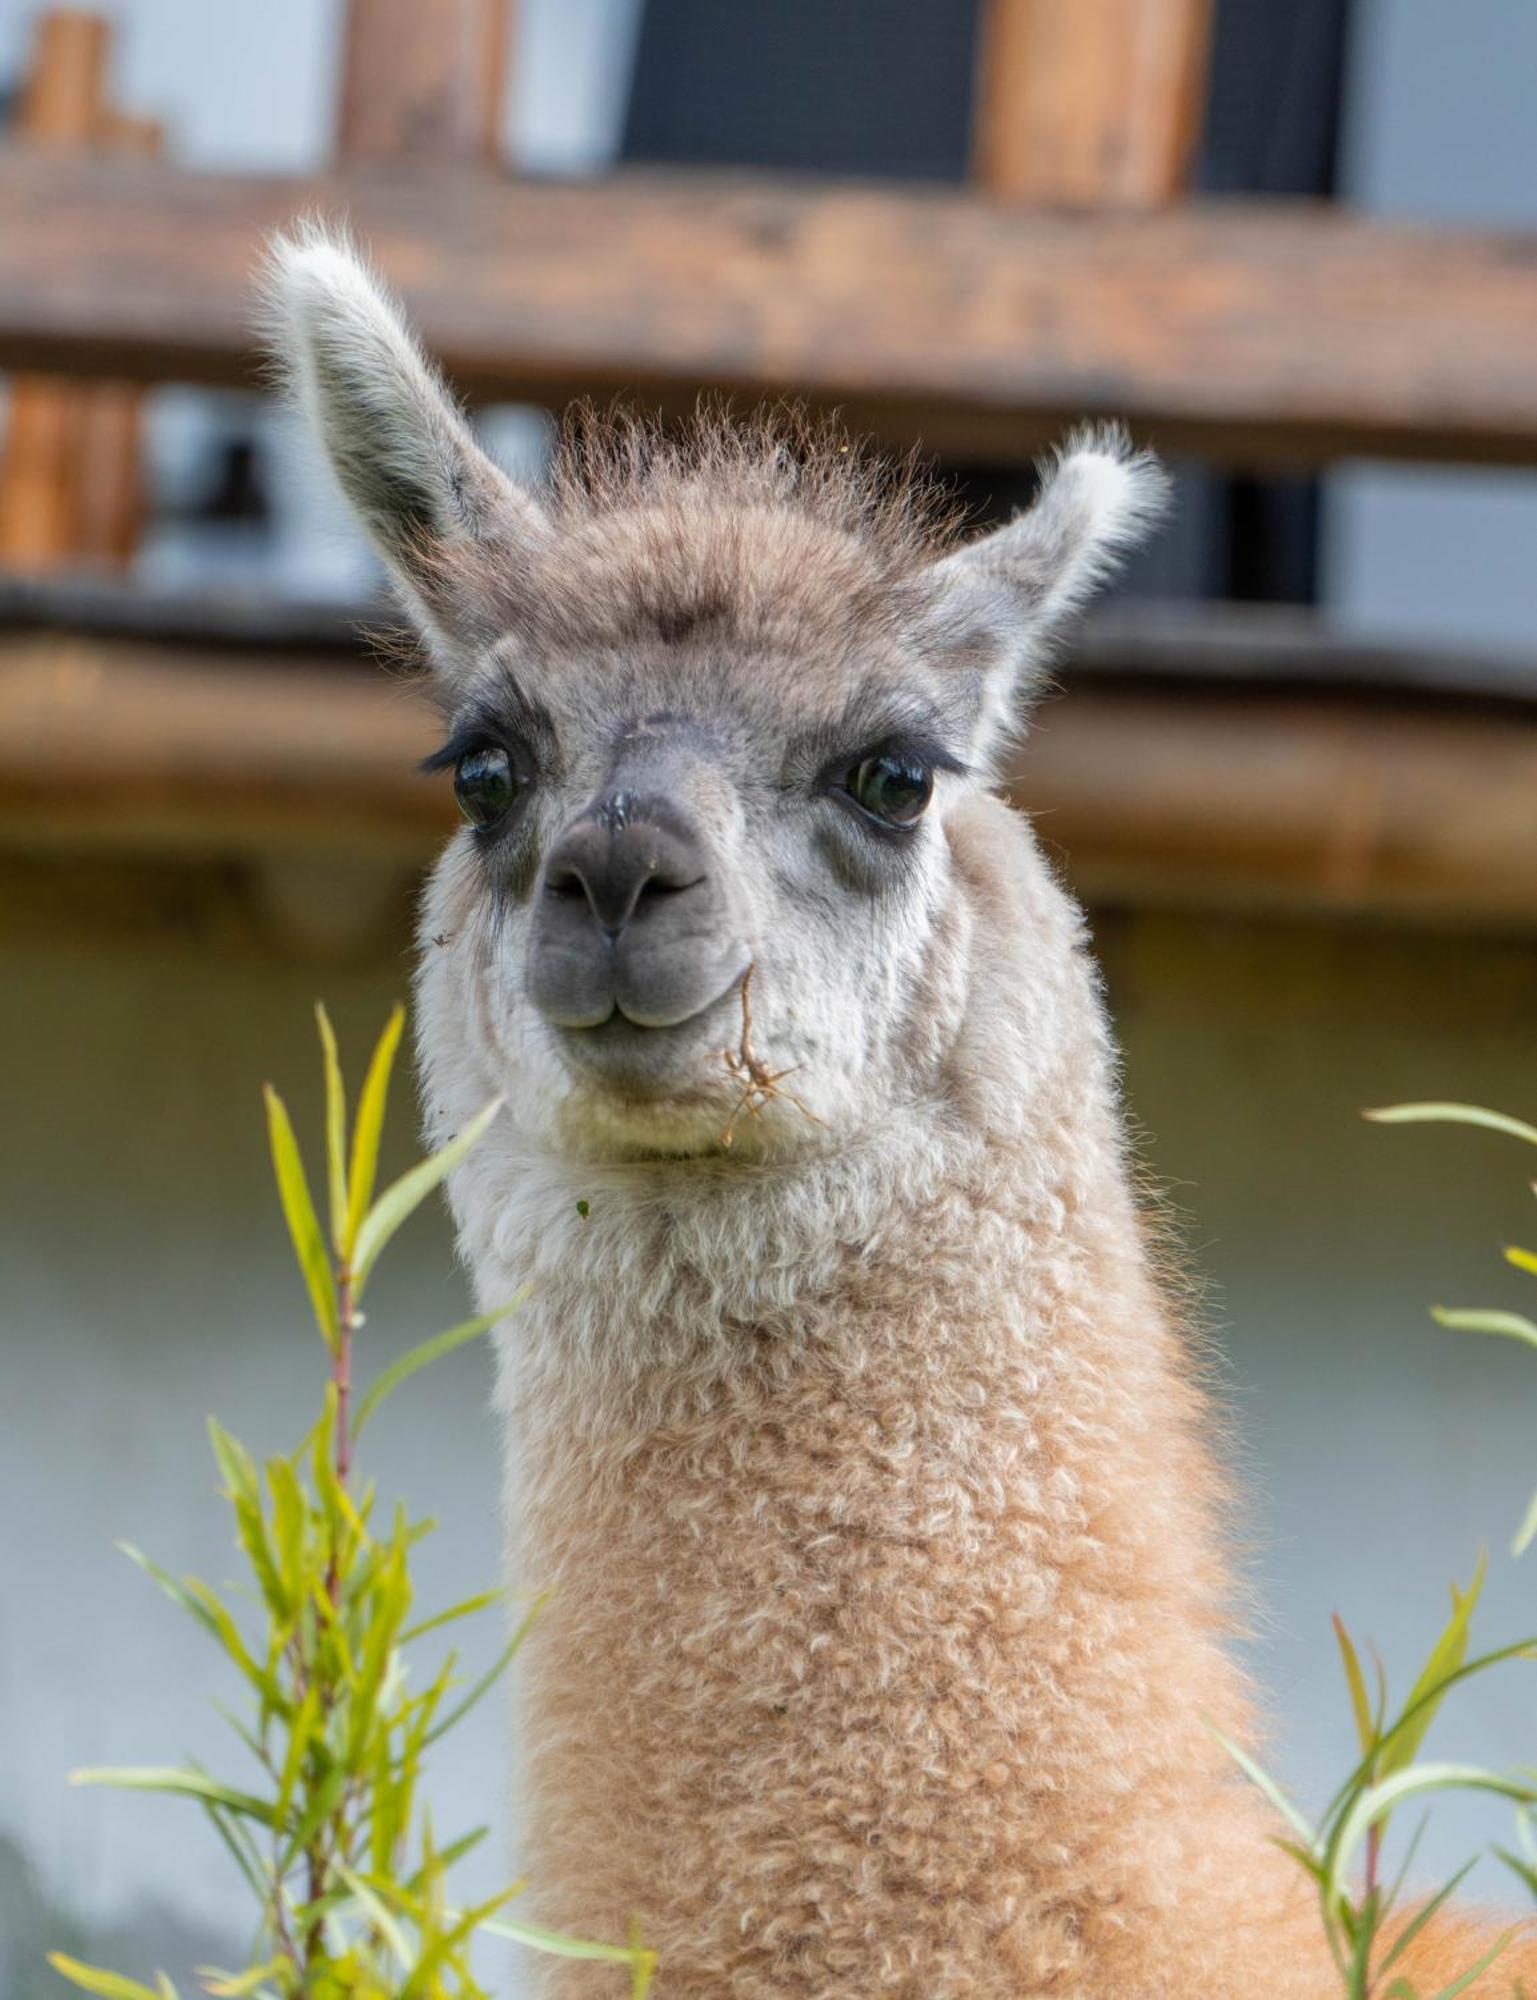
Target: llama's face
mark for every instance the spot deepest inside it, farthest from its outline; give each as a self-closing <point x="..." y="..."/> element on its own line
<point x="706" y="887"/>
<point x="707" y="725"/>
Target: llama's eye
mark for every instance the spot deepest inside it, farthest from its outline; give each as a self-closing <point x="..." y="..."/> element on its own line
<point x="486" y="785"/>
<point x="891" y="787"/>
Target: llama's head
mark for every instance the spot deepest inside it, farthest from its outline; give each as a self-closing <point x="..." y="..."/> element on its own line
<point x="715" y="711"/>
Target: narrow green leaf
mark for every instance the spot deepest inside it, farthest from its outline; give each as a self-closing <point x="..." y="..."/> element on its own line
<point x="1307" y="1861"/>
<point x="491" y="1676"/>
<point x="1524" y="1260"/>
<point x="1355" y="1680"/>
<point x="235" y="1986"/>
<point x="300" y="1732"/>
<point x="1378" y="1801"/>
<point x="177" y="1592"/>
<point x="228" y="1633"/>
<point x="1401" y="1744"/>
<point x="336" y="1129"/>
<point x="1411" y="1848"/>
<point x="402" y="1369"/>
<point x="1477" y="1969"/>
<point x="463" y="1925"/>
<point x="182" y="1784"/>
<point x="1257" y="1775"/>
<point x="299" y="1213"/>
<point x="559" y="1945"/>
<point x="239" y="1470"/>
<point x="111" y="1985"/>
<point x="244" y="1856"/>
<point x="403" y="1197"/>
<point x="1527" y="1529"/>
<point x="369" y="1127"/>
<point x="465" y="1610"/>
<point x="1523" y="1870"/>
<point x="1453" y="1114"/>
<point x="453" y="1852"/>
<point x="380" y="1917"/>
<point x="1513" y="1326"/>
<point x="1424" y="1914"/>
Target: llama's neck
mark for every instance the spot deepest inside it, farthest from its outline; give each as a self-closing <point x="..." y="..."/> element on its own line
<point x="887" y="1607"/>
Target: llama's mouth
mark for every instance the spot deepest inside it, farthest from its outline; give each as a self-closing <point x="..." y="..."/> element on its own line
<point x="641" y="1063"/>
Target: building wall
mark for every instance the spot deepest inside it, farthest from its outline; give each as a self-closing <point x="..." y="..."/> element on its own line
<point x="147" y="1284"/>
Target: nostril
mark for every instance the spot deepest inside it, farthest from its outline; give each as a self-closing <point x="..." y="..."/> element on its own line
<point x="658" y="882"/>
<point x="620" y="873"/>
<point x="565" y="882"/>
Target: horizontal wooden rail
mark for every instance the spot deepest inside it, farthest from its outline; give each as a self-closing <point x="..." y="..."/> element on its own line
<point x="1249" y="795"/>
<point x="1250" y="332"/>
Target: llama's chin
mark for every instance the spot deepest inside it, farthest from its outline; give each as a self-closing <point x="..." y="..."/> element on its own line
<point x="631" y="1088"/>
<point x="674" y="1093"/>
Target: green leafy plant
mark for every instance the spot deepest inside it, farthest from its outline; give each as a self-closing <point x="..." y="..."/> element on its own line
<point x="1365" y="1918"/>
<point x="1364" y="1915"/>
<point x="1508" y="1325"/>
<point x="349" y="1882"/>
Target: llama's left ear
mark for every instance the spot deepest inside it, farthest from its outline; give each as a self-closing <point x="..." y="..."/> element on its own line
<point x="452" y="527"/>
<point x="1011" y="589"/>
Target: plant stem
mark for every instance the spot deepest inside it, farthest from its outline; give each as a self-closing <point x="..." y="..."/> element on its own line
<point x="317" y="1859"/>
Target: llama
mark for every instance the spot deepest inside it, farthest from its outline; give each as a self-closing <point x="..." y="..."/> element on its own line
<point x="848" y="1425"/>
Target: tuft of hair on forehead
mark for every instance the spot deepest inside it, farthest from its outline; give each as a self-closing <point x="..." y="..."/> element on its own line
<point x="779" y="455"/>
<point x="752" y="526"/>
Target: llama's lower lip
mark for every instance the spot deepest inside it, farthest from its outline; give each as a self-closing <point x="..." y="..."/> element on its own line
<point x="676" y="1059"/>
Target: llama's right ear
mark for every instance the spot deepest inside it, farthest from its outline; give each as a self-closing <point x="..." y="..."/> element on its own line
<point x="453" y="529"/>
<point x="1011" y="590"/>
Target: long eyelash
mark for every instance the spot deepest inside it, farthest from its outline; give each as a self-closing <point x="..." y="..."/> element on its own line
<point x="472" y="735"/>
<point x="921" y="749"/>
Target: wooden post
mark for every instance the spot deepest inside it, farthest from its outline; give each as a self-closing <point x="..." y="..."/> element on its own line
<point x="109" y="506"/>
<point x="61" y="102"/>
<point x="69" y="478"/>
<point x="422" y="80"/>
<point x="1090" y="102"/>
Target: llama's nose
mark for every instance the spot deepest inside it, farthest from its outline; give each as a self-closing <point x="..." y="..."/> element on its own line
<point x="624" y="857"/>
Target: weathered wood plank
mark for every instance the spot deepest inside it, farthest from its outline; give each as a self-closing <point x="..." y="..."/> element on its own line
<point x="1256" y="333"/>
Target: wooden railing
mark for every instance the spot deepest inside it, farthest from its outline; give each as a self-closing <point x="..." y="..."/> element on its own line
<point x="1068" y="280"/>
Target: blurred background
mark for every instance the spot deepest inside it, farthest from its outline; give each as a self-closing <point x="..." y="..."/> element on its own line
<point x="1292" y="766"/>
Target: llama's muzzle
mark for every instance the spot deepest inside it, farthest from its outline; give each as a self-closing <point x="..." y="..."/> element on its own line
<point x="632" y="919"/>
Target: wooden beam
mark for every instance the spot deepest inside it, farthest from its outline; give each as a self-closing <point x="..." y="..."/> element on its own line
<point x="1214" y="794"/>
<point x="1096" y="102"/>
<point x="422" y="80"/>
<point x="197" y="752"/>
<point x="1162" y="642"/>
<point x="1256" y="333"/>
